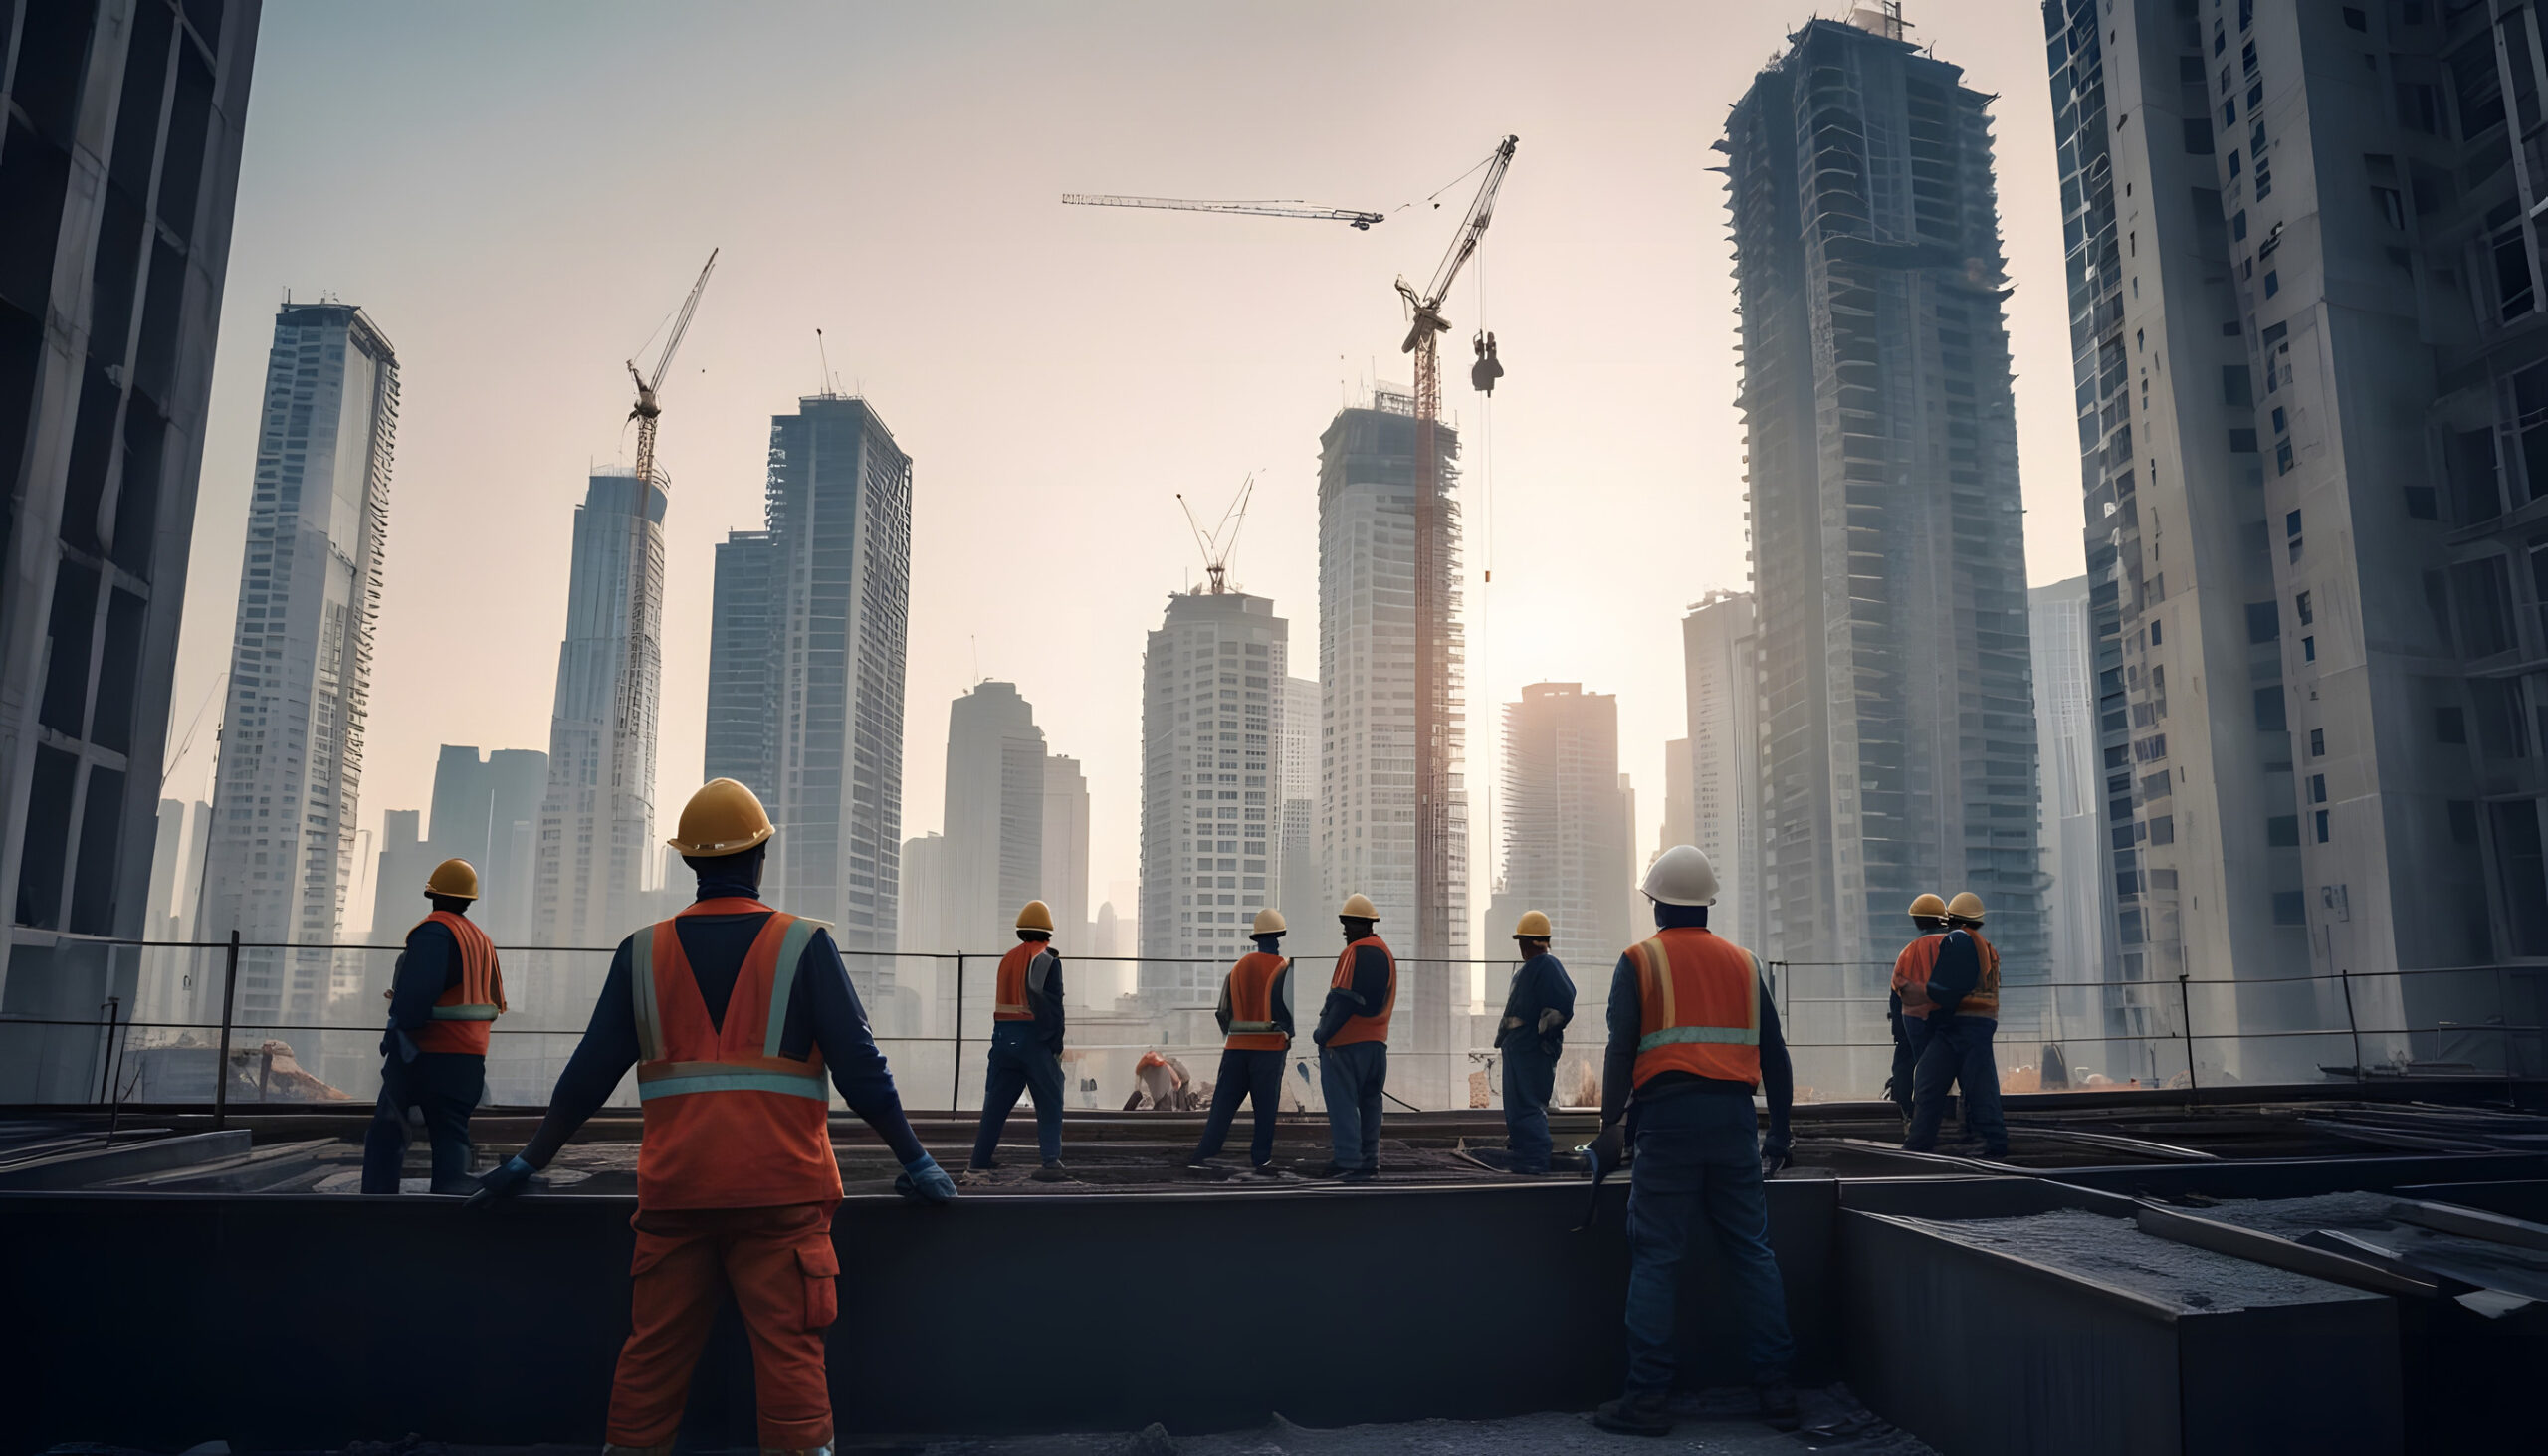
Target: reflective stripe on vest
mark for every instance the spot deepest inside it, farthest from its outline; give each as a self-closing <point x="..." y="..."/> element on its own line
<point x="1012" y="1003"/>
<point x="730" y="1122"/>
<point x="457" y="1021"/>
<point x="1699" y="1007"/>
<point x="1251" y="992"/>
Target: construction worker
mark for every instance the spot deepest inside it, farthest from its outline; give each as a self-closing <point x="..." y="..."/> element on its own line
<point x="1963" y="990"/>
<point x="1532" y="1036"/>
<point x="1256" y="1018"/>
<point x="733" y="1013"/>
<point x="444" y="998"/>
<point x="1907" y="1009"/>
<point x="1026" y="1044"/>
<point x="1693" y="1032"/>
<point x="1353" y="1039"/>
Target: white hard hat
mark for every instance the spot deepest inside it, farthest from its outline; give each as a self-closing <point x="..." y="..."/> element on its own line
<point x="1681" y="875"/>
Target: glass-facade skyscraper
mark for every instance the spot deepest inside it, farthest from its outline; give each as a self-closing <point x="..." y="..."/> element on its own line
<point x="291" y="732"/>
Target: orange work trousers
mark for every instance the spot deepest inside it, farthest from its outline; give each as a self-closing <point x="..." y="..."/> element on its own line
<point x="780" y="1264"/>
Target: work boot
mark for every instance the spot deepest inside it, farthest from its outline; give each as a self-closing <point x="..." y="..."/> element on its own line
<point x="1635" y="1415"/>
<point x="1052" y="1172"/>
<point x="1777" y="1403"/>
<point x="1334" y="1170"/>
<point x="1357" y="1175"/>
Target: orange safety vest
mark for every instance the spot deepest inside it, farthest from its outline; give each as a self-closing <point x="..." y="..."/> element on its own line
<point x="1364" y="1027"/>
<point x="1012" y="1004"/>
<point x="730" y="1122"/>
<point x="1911" y="973"/>
<point x="1699" y="1007"/>
<point x="1251" y="993"/>
<point x="1985" y="999"/>
<point x="466" y="1012"/>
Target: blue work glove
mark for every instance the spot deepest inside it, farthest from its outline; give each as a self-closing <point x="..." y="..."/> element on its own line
<point x="503" y="1182"/>
<point x="924" y="1181"/>
<point x="1773" y="1156"/>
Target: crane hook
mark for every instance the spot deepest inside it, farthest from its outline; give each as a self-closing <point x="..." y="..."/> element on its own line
<point x="1487" y="369"/>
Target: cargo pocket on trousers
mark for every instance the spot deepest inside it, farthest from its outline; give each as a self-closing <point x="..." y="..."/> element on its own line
<point x="819" y="1262"/>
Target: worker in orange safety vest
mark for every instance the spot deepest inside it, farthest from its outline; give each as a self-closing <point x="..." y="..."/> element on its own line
<point x="444" y="998"/>
<point x="1255" y="1015"/>
<point x="735" y="1015"/>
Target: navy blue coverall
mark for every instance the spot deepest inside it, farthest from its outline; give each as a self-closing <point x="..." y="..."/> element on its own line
<point x="443" y="1085"/>
<point x="1026" y="1056"/>
<point x="1256" y="1076"/>
<point x="1698" y="1156"/>
<point x="1530" y="1059"/>
<point x="1352" y="1077"/>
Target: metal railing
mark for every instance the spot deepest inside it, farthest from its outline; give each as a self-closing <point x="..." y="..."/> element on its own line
<point x="927" y="1008"/>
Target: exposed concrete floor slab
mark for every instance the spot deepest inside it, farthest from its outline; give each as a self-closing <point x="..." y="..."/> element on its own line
<point x="2114" y="1251"/>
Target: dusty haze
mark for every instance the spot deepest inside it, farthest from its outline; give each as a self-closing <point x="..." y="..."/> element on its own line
<point x="519" y="196"/>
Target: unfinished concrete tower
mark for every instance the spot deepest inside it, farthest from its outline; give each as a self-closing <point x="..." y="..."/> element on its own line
<point x="1888" y="557"/>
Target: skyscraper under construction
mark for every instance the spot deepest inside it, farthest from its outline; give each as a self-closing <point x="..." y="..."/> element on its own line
<point x="1367" y="649"/>
<point x="1887" y="550"/>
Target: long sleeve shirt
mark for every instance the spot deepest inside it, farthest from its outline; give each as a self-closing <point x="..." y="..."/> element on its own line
<point x="1278" y="995"/>
<point x="1958" y="970"/>
<point x="823" y="1015"/>
<point x="1627" y="1018"/>
<point x="1371" y="992"/>
<point x="1538" y="984"/>
<point x="429" y="967"/>
<point x="1044" y="996"/>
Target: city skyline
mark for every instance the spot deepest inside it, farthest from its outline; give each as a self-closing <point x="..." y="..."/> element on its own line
<point x="740" y="365"/>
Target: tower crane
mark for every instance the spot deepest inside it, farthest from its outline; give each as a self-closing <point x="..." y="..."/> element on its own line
<point x="1222" y="544"/>
<point x="1432" y="581"/>
<point x="648" y="410"/>
<point x="1362" y="221"/>
<point x="642" y="645"/>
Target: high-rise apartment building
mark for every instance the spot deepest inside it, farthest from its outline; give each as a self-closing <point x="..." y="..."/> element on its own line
<point x="1298" y="890"/>
<point x="744" y="677"/>
<point x="1368" y="686"/>
<point x="292" y="734"/>
<point x="118" y="171"/>
<point x="1065" y="870"/>
<point x="1567" y="820"/>
<point x="486" y="810"/>
<point x="597" y="818"/>
<point x="1680" y="802"/>
<point x="994" y="824"/>
<point x="2079" y="904"/>
<point x="2193" y="797"/>
<point x="1720" y="682"/>
<point x="2351" y="253"/>
<point x="840" y="523"/>
<point x="397" y="899"/>
<point x="1215" y="678"/>
<point x="1888" y="551"/>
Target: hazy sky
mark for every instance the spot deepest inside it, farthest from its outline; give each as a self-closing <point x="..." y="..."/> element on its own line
<point x="519" y="194"/>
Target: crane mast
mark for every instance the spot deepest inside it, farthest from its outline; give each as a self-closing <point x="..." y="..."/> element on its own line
<point x="642" y="645"/>
<point x="1433" y="701"/>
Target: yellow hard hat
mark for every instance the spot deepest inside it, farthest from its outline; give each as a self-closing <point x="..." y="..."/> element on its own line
<point x="1269" y="921"/>
<point x="1037" y="916"/>
<point x="1928" y="908"/>
<point x="1966" y="905"/>
<point x="1359" y="907"/>
<point x="1532" y="926"/>
<point x="723" y="818"/>
<point x="453" y="880"/>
